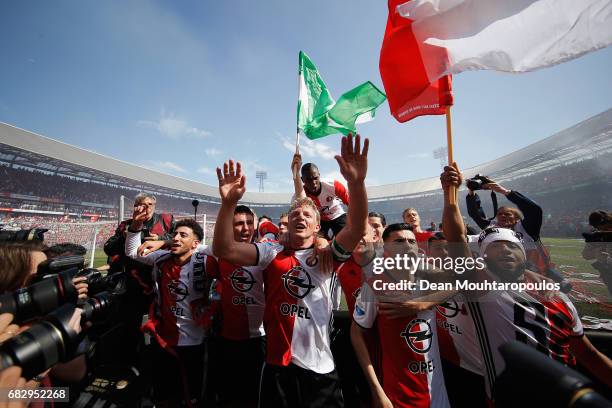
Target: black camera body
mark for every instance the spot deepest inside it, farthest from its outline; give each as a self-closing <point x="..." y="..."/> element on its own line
<point x="476" y="182"/>
<point x="33" y="234"/>
<point x="597" y="236"/>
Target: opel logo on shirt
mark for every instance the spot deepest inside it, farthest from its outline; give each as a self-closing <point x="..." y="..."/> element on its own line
<point x="297" y="282"/>
<point x="418" y="335"/>
<point x="448" y="309"/>
<point x="242" y="280"/>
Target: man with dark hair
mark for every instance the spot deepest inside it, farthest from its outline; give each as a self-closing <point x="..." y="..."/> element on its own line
<point x="181" y="279"/>
<point x="241" y="341"/>
<point x="409" y="371"/>
<point x="328" y="197"/>
<point x="545" y="320"/>
<point x="378" y="222"/>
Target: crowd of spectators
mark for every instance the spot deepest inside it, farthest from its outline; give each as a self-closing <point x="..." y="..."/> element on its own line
<point x="566" y="193"/>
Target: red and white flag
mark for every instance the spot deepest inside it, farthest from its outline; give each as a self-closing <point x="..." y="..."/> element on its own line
<point x="427" y="40"/>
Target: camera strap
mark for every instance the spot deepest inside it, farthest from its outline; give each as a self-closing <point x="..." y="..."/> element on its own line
<point x="494" y="200"/>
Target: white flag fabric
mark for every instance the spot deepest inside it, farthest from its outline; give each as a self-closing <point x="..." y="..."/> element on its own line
<point x="505" y="35"/>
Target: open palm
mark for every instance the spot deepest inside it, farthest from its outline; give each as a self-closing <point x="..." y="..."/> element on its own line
<point x="353" y="161"/>
<point x="232" y="183"/>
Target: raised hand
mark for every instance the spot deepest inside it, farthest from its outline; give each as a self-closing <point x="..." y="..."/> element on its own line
<point x="296" y="165"/>
<point x="451" y="177"/>
<point x="353" y="161"/>
<point x="232" y="183"/>
<point x="139" y="216"/>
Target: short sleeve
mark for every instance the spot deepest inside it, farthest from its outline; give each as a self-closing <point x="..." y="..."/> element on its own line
<point x="577" y="328"/>
<point x="365" y="307"/>
<point x="266" y="252"/>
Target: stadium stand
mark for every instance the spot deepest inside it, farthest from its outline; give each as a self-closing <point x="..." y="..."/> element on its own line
<point x="568" y="173"/>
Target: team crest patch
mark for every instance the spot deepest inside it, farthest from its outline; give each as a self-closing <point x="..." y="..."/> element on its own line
<point x="418" y="335"/>
<point x="242" y="280"/>
<point x="298" y="282"/>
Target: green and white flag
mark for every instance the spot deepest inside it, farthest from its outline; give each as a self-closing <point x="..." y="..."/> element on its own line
<point x="319" y="115"/>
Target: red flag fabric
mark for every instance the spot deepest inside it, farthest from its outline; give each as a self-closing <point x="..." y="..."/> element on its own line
<point x="403" y="72"/>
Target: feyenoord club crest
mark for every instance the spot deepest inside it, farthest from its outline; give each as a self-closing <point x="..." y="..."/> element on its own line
<point x="418" y="335"/>
<point x="178" y="289"/>
<point x="448" y="309"/>
<point x="242" y="280"/>
<point x="297" y="282"/>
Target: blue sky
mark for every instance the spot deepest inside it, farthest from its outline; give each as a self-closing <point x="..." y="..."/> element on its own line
<point x="180" y="86"/>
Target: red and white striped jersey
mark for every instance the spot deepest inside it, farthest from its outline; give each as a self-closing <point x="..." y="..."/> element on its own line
<point x="299" y="304"/>
<point x="242" y="301"/>
<point x="411" y="367"/>
<point x="180" y="292"/>
<point x="351" y="277"/>
<point x="330" y="199"/>
<point x="546" y="323"/>
<point x="456" y="335"/>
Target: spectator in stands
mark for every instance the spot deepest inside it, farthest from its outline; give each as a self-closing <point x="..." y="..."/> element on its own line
<point x="139" y="280"/>
<point x="432" y="227"/>
<point x="328" y="197"/>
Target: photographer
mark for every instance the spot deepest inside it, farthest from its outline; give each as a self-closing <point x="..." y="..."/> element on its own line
<point x="19" y="262"/>
<point x="139" y="285"/>
<point x="529" y="223"/>
<point x="598" y="245"/>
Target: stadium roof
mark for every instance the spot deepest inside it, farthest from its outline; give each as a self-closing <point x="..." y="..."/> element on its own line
<point x="589" y="138"/>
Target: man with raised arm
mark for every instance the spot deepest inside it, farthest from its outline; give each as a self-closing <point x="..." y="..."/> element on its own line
<point x="299" y="368"/>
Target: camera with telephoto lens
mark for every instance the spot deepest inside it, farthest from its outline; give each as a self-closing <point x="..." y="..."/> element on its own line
<point x="597" y="236"/>
<point x="52" y="288"/>
<point x="43" y="345"/>
<point x="476" y="182"/>
<point x="33" y="234"/>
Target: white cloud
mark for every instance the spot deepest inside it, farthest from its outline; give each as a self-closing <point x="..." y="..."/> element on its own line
<point x="163" y="165"/>
<point x="174" y="128"/>
<point x="417" y="156"/>
<point x="332" y="175"/>
<point x="212" y="152"/>
<point x="206" y="170"/>
<point x="310" y="148"/>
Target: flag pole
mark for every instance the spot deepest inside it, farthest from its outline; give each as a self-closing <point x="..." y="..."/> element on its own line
<point x="449" y="144"/>
<point x="297" y="141"/>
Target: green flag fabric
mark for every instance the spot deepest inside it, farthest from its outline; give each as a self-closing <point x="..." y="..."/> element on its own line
<point x="318" y="115"/>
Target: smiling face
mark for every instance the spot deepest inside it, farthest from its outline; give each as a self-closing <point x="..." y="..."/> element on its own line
<point x="303" y="222"/>
<point x="183" y="241"/>
<point x="244" y="227"/>
<point x="377" y="226"/>
<point x="505" y="259"/>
